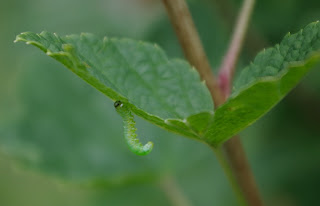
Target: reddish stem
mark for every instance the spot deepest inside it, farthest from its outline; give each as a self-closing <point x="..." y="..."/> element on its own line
<point x="227" y="68"/>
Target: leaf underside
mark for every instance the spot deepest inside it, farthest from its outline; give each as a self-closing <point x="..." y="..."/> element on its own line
<point x="165" y="92"/>
<point x="169" y="93"/>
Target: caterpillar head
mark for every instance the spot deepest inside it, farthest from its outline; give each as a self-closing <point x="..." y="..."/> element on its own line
<point x="118" y="104"/>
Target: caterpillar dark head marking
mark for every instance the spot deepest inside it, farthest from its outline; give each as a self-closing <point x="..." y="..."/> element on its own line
<point x="117" y="104"/>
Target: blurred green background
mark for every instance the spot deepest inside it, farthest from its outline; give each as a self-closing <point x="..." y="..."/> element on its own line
<point x="61" y="140"/>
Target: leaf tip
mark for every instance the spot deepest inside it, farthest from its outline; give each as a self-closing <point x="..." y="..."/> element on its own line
<point x="17" y="40"/>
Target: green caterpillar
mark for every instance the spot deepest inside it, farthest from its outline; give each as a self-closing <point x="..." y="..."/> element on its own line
<point x="130" y="131"/>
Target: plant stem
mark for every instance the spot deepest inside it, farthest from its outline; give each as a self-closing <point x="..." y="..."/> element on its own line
<point x="240" y="167"/>
<point x="172" y="191"/>
<point x="227" y="10"/>
<point x="227" y="68"/>
<point x="191" y="44"/>
<point x="229" y="172"/>
<point x="233" y="158"/>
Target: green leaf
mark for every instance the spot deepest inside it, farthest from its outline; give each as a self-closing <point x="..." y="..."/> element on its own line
<point x="165" y="92"/>
<point x="261" y="85"/>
